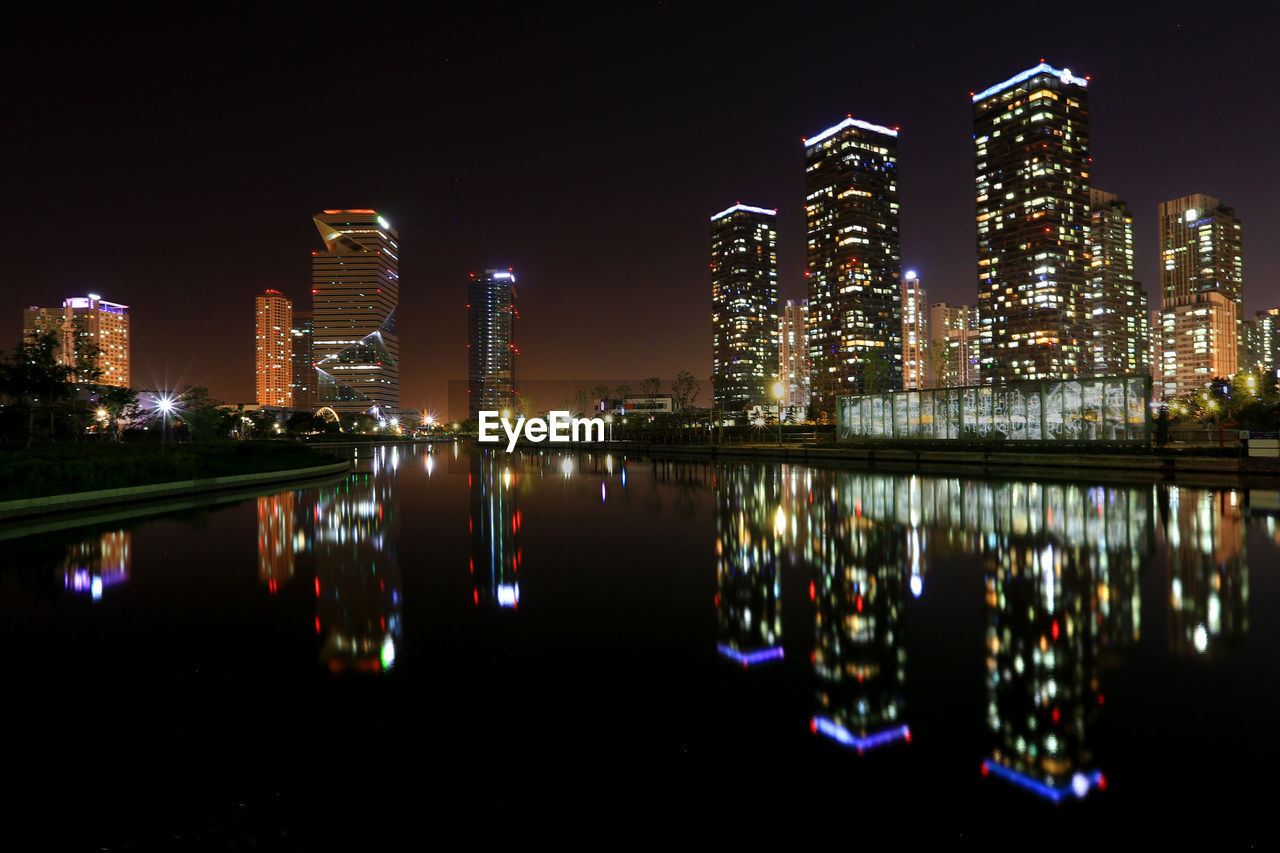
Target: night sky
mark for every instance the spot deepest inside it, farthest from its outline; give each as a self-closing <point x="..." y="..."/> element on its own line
<point x="172" y="160"/>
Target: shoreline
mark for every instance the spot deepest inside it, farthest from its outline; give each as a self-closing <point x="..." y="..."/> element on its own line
<point x="73" y="501"/>
<point x="1197" y="471"/>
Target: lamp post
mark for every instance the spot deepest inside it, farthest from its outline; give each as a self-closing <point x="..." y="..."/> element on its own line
<point x="778" y="391"/>
<point x="166" y="406"/>
<point x="609" y="420"/>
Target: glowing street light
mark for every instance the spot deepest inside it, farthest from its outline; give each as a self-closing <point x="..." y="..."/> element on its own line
<point x="609" y="420"/>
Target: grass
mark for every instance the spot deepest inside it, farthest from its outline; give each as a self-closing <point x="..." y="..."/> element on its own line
<point x="55" y="469"/>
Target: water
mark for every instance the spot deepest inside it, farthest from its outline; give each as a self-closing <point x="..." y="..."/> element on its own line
<point x="513" y="644"/>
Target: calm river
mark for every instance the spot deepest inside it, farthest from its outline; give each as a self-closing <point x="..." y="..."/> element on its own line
<point x="546" y="644"/>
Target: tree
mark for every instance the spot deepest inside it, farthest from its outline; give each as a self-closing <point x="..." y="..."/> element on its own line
<point x="940" y="363"/>
<point x="204" y="417"/>
<point x="602" y="393"/>
<point x="32" y="379"/>
<point x="623" y="391"/>
<point x="684" y="391"/>
<point x="121" y="407"/>
<point x="651" y="386"/>
<point x="876" y="378"/>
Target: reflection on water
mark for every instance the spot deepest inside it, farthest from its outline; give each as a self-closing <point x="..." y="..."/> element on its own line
<point x="1055" y="591"/>
<point x="97" y="562"/>
<point x="357" y="586"/>
<point x="748" y="591"/>
<point x="1208" y="573"/>
<point x="494" y="526"/>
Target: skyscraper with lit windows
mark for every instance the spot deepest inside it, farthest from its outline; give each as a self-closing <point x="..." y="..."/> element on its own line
<point x="744" y="304"/>
<point x="355" y="293"/>
<point x="854" y="261"/>
<point x="917" y="371"/>
<point x="273" y="341"/>
<point x="304" y="360"/>
<point x="1118" y="319"/>
<point x="1031" y="146"/>
<point x="1201" y="293"/>
<point x="793" y="359"/>
<point x="491" y="342"/>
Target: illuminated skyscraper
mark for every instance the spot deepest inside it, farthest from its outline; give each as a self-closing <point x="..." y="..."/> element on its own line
<point x="355" y="291"/>
<point x="1262" y="342"/>
<point x="1031" y="141"/>
<point x="304" y="360"/>
<point x="491" y="344"/>
<point x="744" y="304"/>
<point x="85" y="321"/>
<point x="1118" y="304"/>
<point x="954" y="327"/>
<point x="793" y="359"/>
<point x="1201" y="293"/>
<point x="273" y="373"/>
<point x="917" y="371"/>
<point x="854" y="262"/>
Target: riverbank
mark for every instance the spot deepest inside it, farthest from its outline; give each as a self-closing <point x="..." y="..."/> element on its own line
<point x="1116" y="465"/>
<point x="60" y="478"/>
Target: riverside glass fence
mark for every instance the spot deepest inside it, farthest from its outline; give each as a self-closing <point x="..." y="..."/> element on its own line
<point x="1099" y="409"/>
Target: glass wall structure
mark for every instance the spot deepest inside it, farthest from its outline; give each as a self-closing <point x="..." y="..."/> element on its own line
<point x="1104" y="408"/>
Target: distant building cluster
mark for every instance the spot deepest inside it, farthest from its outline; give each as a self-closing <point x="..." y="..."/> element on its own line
<point x="1057" y="296"/>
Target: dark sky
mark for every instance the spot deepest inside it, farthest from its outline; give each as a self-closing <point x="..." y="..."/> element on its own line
<point x="172" y="160"/>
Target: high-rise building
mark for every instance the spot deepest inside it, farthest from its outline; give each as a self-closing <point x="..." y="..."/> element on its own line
<point x="917" y="370"/>
<point x="1200" y="253"/>
<point x="854" y="262"/>
<point x="273" y="340"/>
<point x="1031" y="141"/>
<point x="355" y="292"/>
<point x="955" y="330"/>
<point x="1262" y="343"/>
<point x="304" y="360"/>
<point x="1119" y="322"/>
<point x="491" y="343"/>
<point x="84" y="322"/>
<point x="744" y="305"/>
<point x="793" y="359"/>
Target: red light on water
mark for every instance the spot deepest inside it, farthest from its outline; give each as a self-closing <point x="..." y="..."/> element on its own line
<point x="985" y="769"/>
<point x="1057" y="715"/>
<point x="1101" y="699"/>
<point x="475" y="595"/>
<point x="813" y="725"/>
<point x="813" y="593"/>
<point x="907" y="735"/>
<point x="317" y="587"/>
<point x="1102" y="782"/>
<point x="317" y="624"/>
<point x="1054" y="629"/>
<point x="859" y="604"/>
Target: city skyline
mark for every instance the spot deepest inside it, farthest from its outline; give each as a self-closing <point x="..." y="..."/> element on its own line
<point x="471" y="214"/>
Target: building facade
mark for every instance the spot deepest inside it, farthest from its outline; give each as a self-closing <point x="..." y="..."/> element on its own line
<point x="1201" y="276"/>
<point x="953" y="345"/>
<point x="917" y="370"/>
<point x="744" y="305"/>
<point x="302" y="333"/>
<point x="273" y="349"/>
<point x="84" y="322"/>
<point x="491" y="342"/>
<point x="854" y="262"/>
<point x="355" y="293"/>
<point x="793" y="360"/>
<point x="1262" y="343"/>
<point x="1119" y="327"/>
<point x="1031" y="145"/>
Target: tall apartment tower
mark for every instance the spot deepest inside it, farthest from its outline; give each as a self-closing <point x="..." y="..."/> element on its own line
<point x="1201" y="293"/>
<point x="1031" y="141"/>
<point x="273" y="342"/>
<point x="917" y="370"/>
<point x="854" y="262"/>
<point x="1120" y="330"/>
<point x="954" y="329"/>
<point x="85" y="321"/>
<point x="793" y="359"/>
<point x="491" y="342"/>
<point x="1262" y="343"/>
<point x="744" y="306"/>
<point x="355" y="292"/>
<point x="304" y="360"/>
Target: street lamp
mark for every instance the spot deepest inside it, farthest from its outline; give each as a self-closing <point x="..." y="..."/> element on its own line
<point x="609" y="420"/>
<point x="778" y="391"/>
<point x="165" y="405"/>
